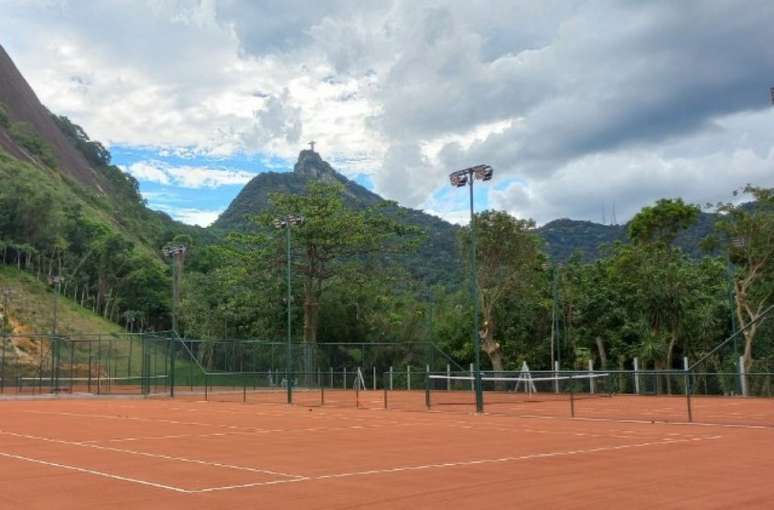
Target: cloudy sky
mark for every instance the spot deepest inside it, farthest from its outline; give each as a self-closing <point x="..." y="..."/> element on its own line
<point x="580" y="106"/>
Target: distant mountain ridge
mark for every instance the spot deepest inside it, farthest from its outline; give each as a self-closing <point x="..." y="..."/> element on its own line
<point x="437" y="257"/>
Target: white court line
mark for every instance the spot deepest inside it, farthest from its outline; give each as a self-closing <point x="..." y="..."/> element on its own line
<point x="95" y="473"/>
<point x="148" y="454"/>
<point x="533" y="456"/>
<point x="353" y="473"/>
<point x="647" y="422"/>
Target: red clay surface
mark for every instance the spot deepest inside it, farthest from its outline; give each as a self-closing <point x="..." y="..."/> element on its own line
<point x="190" y="454"/>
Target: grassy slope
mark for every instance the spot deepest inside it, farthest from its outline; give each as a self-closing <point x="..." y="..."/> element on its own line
<point x="31" y="308"/>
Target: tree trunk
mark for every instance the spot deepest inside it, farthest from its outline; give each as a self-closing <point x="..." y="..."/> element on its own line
<point x="491" y="347"/>
<point x="602" y="352"/>
<point x="311" y="311"/>
<point x="670" y="352"/>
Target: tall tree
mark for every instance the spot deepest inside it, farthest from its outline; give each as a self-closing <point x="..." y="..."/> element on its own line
<point x="664" y="276"/>
<point x="508" y="260"/>
<point x="749" y="232"/>
<point x="331" y="236"/>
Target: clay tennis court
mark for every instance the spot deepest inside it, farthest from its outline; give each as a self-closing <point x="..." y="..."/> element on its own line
<point x="187" y="453"/>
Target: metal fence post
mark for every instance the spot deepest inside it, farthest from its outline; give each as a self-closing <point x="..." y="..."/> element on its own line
<point x="592" y="386"/>
<point x="472" y="379"/>
<point x="743" y="377"/>
<point x="408" y="377"/>
<point x="391" y="378"/>
<point x="374" y="371"/>
<point x="385" y="387"/>
<point x="556" y="375"/>
<point x="572" y="396"/>
<point x="448" y="377"/>
<point x="427" y="386"/>
<point x="687" y="388"/>
<point x="636" y="376"/>
<point x="2" y="367"/>
<point x="172" y="365"/>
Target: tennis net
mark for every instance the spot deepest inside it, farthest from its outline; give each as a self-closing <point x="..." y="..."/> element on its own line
<point x="503" y="389"/>
<point x="94" y="384"/>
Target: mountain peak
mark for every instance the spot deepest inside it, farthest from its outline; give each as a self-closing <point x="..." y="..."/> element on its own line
<point x="311" y="165"/>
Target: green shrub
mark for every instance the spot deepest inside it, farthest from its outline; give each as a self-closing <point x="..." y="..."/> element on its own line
<point x="4" y="120"/>
<point x="25" y="135"/>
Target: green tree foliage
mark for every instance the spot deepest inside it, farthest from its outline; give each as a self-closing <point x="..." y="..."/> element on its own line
<point x="5" y="122"/>
<point x="330" y="237"/>
<point x="660" y="224"/>
<point x="748" y="232"/>
<point x="94" y="152"/>
<point x="25" y="135"/>
<point x="508" y="261"/>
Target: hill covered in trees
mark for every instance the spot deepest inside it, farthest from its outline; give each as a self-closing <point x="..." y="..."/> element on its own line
<point x="435" y="259"/>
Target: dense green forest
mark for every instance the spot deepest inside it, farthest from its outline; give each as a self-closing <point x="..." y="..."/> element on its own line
<point x="359" y="275"/>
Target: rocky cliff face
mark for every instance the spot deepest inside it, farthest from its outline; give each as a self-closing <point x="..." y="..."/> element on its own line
<point x="22" y="105"/>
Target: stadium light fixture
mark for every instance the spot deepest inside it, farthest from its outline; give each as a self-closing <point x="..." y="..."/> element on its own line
<point x="459" y="179"/>
<point x="287" y="222"/>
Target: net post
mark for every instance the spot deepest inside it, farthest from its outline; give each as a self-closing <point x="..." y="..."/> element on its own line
<point x="143" y="348"/>
<point x="391" y="380"/>
<point x="374" y="372"/>
<point x="408" y="377"/>
<point x="172" y="363"/>
<point x="743" y="377"/>
<point x="572" y="396"/>
<point x="427" y="387"/>
<point x="686" y="369"/>
<point x="345" y="378"/>
<point x="72" y="363"/>
<point x="473" y="379"/>
<point x="385" y="386"/>
<point x="636" y="376"/>
<point x="357" y="393"/>
<point x="592" y="386"/>
<point x="244" y="389"/>
<point x="89" y="376"/>
<point x="448" y="377"/>
<point x="2" y="365"/>
<point x="206" y="385"/>
<point x="556" y="374"/>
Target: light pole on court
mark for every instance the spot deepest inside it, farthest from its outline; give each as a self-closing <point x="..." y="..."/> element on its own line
<point x="287" y="222"/>
<point x="459" y="179"/>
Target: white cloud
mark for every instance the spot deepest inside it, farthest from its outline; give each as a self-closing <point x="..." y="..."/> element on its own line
<point x="584" y="102"/>
<point x="186" y="176"/>
<point x="200" y="217"/>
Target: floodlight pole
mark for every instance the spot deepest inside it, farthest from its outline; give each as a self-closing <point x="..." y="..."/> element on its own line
<point x="459" y="179"/>
<point x="474" y="291"/>
<point x="290" y="316"/>
<point x="286" y="223"/>
<point x="176" y="253"/>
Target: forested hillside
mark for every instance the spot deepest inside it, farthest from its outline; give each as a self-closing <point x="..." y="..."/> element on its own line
<point x="435" y="258"/>
<point x="66" y="212"/>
